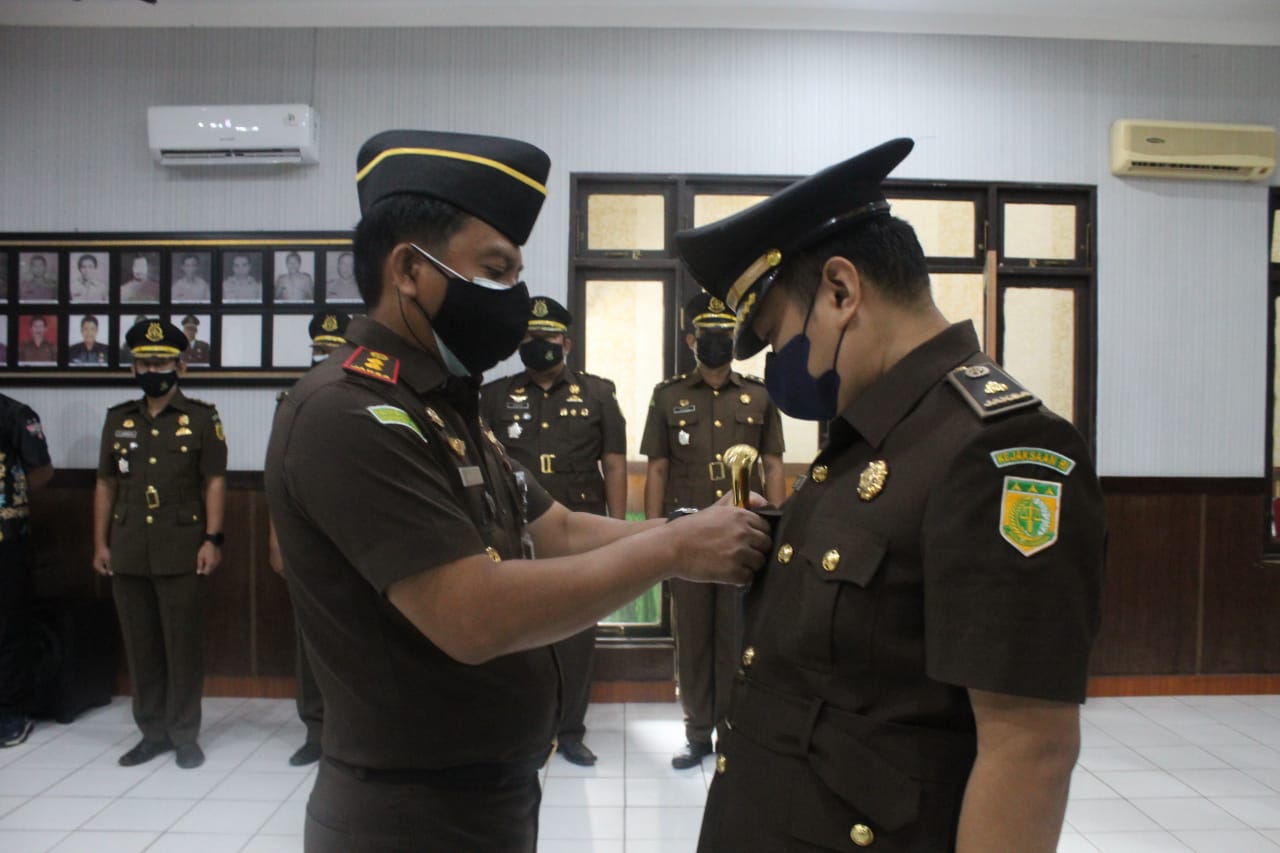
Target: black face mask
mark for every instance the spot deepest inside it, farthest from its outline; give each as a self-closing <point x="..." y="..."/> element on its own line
<point x="538" y="354"/>
<point x="714" y="350"/>
<point x="156" y="384"/>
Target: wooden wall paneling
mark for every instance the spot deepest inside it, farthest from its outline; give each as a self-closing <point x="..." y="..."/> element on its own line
<point x="1149" y="602"/>
<point x="229" y="640"/>
<point x="1241" y="593"/>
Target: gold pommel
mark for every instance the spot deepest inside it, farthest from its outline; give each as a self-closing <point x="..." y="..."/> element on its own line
<point x="740" y="459"/>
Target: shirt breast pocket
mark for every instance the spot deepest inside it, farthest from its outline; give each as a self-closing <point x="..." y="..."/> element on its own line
<point x="750" y="426"/>
<point x="838" y="603"/>
<point x="185" y="445"/>
<point x="681" y="427"/>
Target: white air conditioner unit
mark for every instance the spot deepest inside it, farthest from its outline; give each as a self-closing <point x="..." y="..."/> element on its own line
<point x="1188" y="149"/>
<point x="231" y="135"/>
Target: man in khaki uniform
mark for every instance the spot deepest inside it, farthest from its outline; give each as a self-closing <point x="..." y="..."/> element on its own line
<point x="693" y="418"/>
<point x="567" y="429"/>
<point x="157" y="529"/>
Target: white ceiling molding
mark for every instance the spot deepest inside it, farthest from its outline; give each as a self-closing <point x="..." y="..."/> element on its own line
<point x="1235" y="22"/>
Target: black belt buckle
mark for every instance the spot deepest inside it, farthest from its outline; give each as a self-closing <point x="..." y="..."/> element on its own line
<point x="153" y="498"/>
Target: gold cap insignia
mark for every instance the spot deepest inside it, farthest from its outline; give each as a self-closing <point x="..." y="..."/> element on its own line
<point x="330" y="323"/>
<point x="539" y="308"/>
<point x="871" y="481"/>
<point x="715" y="305"/>
<point x="155" y="333"/>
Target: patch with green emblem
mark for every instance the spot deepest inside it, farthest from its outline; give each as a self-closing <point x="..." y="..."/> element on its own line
<point x="1033" y="456"/>
<point x="395" y="416"/>
<point x="1029" y="514"/>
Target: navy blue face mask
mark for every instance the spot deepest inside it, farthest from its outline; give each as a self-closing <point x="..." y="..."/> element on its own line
<point x="793" y="388"/>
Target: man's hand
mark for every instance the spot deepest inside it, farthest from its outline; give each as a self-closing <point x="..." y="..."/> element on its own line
<point x="208" y="558"/>
<point x="102" y="561"/>
<point x="721" y="544"/>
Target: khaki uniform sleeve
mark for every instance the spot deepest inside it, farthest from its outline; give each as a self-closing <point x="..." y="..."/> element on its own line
<point x="615" y="424"/>
<point x="106" y="461"/>
<point x="213" y="447"/>
<point x="655" y="443"/>
<point x="772" y="442"/>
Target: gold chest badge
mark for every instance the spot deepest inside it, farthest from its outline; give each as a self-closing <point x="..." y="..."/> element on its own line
<point x="872" y="478"/>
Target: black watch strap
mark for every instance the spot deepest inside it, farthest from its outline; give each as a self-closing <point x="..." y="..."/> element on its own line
<point x="215" y="538"/>
<point x="680" y="512"/>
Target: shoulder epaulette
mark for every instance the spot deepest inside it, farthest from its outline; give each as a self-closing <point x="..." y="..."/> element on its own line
<point x="367" y="362"/>
<point x="280" y="397"/>
<point x="752" y="378"/>
<point x="199" y="402"/>
<point x="990" y="391"/>
<point x="672" y="380"/>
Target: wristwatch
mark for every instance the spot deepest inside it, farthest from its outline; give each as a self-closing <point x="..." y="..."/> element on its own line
<point x="215" y="538"/>
<point x="680" y="512"/>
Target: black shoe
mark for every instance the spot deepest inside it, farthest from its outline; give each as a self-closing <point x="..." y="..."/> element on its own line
<point x="691" y="755"/>
<point x="144" y="752"/>
<point x="14" y="729"/>
<point x="308" y="753"/>
<point x="576" y="752"/>
<point x="189" y="756"/>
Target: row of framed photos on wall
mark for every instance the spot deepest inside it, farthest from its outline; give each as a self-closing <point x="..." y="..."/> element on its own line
<point x="245" y="301"/>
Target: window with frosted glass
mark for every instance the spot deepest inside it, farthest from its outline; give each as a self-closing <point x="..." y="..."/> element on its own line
<point x="625" y="222"/>
<point x="1040" y="344"/>
<point x="960" y="297"/>
<point x="945" y="228"/>
<point x="1040" y="231"/>
<point x="708" y="208"/>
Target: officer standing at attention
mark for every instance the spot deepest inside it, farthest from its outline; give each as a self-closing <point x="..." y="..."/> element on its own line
<point x="567" y="429"/>
<point x="693" y="419"/>
<point x="327" y="329"/>
<point x="917" y="649"/>
<point x="24" y="465"/>
<point x="157" y="529"/>
<point x="403" y="525"/>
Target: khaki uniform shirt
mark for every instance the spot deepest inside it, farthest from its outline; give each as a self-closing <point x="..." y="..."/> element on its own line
<point x="929" y="550"/>
<point x="160" y="466"/>
<point x="691" y="424"/>
<point x="378" y="469"/>
<point x="560" y="434"/>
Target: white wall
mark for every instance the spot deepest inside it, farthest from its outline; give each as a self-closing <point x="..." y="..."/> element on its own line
<point x="1182" y="266"/>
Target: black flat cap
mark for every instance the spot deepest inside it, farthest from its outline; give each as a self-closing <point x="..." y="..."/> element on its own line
<point x="501" y="181"/>
<point x="705" y="311"/>
<point x="737" y="258"/>
<point x="328" y="328"/>
<point x="547" y="315"/>
<point x="155" y="339"/>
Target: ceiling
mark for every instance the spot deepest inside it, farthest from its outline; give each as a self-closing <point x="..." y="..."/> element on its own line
<point x="1239" y="22"/>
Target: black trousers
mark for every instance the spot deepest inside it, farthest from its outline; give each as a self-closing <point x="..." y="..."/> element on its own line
<point x="308" y="699"/>
<point x="576" y="655"/>
<point x="707" y="623"/>
<point x="346" y="814"/>
<point x="15" y="604"/>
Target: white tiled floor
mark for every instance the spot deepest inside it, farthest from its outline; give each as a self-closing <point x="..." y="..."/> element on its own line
<point x="1156" y="775"/>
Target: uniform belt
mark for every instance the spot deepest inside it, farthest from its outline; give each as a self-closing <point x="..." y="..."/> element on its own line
<point x="464" y="777"/>
<point x="716" y="471"/>
<point x="554" y="463"/>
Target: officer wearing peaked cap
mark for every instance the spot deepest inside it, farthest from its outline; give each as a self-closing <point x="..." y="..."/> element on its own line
<point x="693" y="418"/>
<point x="399" y="515"/>
<point x="197" y="351"/>
<point x="157" y="529"/>
<point x="566" y="427"/>
<point x="917" y="648"/>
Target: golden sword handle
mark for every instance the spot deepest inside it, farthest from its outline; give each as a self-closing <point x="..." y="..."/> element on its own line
<point x="740" y="459"/>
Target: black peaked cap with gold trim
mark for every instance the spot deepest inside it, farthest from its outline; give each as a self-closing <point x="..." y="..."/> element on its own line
<point x="155" y="339"/>
<point x="328" y="328"/>
<point x="737" y="258"/>
<point x="547" y="315"/>
<point x="705" y="311"/>
<point x="501" y="181"/>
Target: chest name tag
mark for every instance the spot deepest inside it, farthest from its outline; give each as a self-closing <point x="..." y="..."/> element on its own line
<point x="471" y="475"/>
<point x="126" y="433"/>
<point x="684" y="410"/>
<point x="395" y="416"/>
<point x="518" y="404"/>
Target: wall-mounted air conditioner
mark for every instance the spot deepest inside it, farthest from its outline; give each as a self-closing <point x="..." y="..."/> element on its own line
<point x="1188" y="149"/>
<point x="232" y="135"/>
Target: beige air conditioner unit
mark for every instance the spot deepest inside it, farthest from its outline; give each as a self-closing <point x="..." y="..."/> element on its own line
<point x="1190" y="149"/>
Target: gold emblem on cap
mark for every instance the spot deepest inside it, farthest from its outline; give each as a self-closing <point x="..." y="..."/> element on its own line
<point x="435" y="417"/>
<point x="715" y="306"/>
<point x="458" y="446"/>
<point x="155" y="332"/>
<point x="128" y="423"/>
<point x="183" y="420"/>
<point x="871" y="481"/>
<point x="330" y="323"/>
<point x="539" y="308"/>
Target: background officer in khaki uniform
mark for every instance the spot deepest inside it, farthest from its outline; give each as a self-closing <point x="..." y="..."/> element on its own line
<point x="693" y="418"/>
<point x="197" y="351"/>
<point x="327" y="330"/>
<point x="567" y="429"/>
<point x="917" y="649"/>
<point x="157" y="529"/>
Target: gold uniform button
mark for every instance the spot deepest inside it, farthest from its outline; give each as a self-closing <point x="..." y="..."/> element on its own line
<point x="862" y="835"/>
<point x="748" y="655"/>
<point x="819" y="473"/>
<point x="152" y="460"/>
<point x="150" y="520"/>
<point x="830" y="560"/>
<point x="155" y="432"/>
<point x="183" y="448"/>
<point x="493" y="554"/>
<point x="750" y="420"/>
<point x="721" y="761"/>
<point x="545" y="425"/>
<point x="784" y="554"/>
<point x="719" y="493"/>
<point x="718" y="423"/>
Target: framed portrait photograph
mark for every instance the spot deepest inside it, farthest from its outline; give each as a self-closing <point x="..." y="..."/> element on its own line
<point x="291" y="340"/>
<point x="340" y="282"/>
<point x="89" y="276"/>
<point x="197" y="328"/>
<point x="38" y="340"/>
<point x="242" y="276"/>
<point x="139" y="277"/>
<point x="295" y="276"/>
<point x="4" y="277"/>
<point x="241" y="340"/>
<point x="4" y="341"/>
<point x="37" y="277"/>
<point x="88" y="340"/>
<point x="190" y="273"/>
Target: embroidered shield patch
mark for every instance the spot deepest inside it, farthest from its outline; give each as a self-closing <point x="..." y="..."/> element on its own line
<point x="1029" y="514"/>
